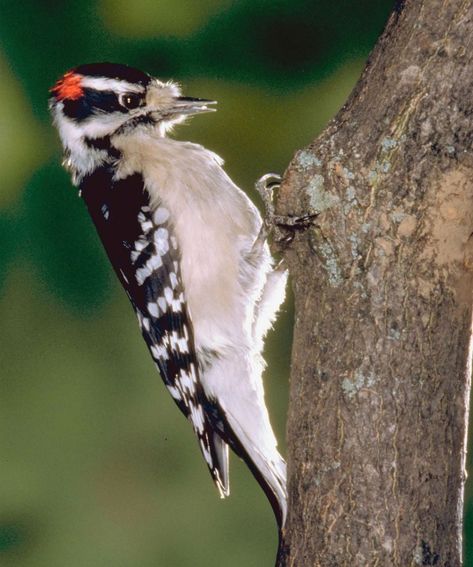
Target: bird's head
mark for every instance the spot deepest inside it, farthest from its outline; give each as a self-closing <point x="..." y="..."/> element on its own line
<point x="99" y="100"/>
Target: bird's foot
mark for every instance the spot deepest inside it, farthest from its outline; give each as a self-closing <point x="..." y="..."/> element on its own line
<point x="282" y="227"/>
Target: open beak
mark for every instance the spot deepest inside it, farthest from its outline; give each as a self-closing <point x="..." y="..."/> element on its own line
<point x="189" y="105"/>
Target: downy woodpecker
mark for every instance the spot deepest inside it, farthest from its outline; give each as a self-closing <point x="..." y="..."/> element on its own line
<point x="189" y="248"/>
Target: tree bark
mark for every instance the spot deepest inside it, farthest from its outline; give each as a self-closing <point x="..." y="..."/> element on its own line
<point x="383" y="289"/>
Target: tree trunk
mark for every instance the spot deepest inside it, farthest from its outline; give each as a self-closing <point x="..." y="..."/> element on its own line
<point x="383" y="289"/>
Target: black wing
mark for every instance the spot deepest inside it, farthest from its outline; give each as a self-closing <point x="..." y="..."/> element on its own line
<point x="145" y="256"/>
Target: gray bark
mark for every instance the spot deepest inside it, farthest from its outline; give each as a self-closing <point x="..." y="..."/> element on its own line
<point x="383" y="289"/>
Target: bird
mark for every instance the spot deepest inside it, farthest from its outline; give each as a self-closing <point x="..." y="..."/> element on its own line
<point x="191" y="252"/>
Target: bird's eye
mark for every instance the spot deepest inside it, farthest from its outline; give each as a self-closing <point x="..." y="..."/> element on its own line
<point x="130" y="100"/>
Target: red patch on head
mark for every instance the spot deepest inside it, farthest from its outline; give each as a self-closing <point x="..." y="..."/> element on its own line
<point x="69" y="87"/>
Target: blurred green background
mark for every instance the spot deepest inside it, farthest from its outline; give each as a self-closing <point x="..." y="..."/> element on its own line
<point x="98" y="466"/>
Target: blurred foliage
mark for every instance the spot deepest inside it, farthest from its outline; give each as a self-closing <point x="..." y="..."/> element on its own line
<point x="98" y="466"/>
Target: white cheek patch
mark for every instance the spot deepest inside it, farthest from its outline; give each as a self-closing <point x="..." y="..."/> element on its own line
<point x="103" y="124"/>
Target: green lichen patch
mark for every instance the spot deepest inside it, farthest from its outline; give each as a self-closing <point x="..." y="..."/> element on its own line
<point x="355" y="245"/>
<point x="350" y="193"/>
<point x="397" y="216"/>
<point x="307" y="160"/>
<point x="320" y="199"/>
<point x="348" y="174"/>
<point x="373" y="177"/>
<point x="360" y="380"/>
<point x="388" y="144"/>
<point x="330" y="263"/>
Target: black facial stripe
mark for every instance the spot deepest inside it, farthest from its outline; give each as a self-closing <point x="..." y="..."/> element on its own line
<point x="133" y="122"/>
<point x="92" y="102"/>
<point x="103" y="144"/>
<point x="114" y="71"/>
<point x="103" y="100"/>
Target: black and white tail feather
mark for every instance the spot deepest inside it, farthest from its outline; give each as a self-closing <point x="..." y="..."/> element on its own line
<point x="189" y="249"/>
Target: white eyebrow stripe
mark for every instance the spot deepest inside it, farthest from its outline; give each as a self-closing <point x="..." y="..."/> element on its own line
<point x="115" y="85"/>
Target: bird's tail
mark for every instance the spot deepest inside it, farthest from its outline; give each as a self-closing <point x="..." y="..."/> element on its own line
<point x="215" y="452"/>
<point x="237" y="412"/>
<point x="221" y="457"/>
<point x="268" y="468"/>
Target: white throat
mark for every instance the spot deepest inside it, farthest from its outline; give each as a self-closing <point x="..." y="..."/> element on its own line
<point x="81" y="159"/>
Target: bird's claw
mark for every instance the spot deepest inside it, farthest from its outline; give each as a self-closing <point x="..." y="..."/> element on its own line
<point x="274" y="223"/>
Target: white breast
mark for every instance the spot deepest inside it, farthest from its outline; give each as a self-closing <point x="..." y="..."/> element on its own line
<point x="215" y="224"/>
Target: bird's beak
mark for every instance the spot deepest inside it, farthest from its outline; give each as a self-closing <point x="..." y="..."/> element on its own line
<point x="189" y="105"/>
<point x="165" y="100"/>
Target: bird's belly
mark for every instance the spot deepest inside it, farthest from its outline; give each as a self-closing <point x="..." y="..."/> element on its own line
<point x="210" y="272"/>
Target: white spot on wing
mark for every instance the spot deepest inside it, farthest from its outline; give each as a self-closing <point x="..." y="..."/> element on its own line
<point x="197" y="416"/>
<point x="140" y="245"/>
<point x="176" y="306"/>
<point x="174" y="393"/>
<point x="174" y="339"/>
<point x="105" y="211"/>
<point x="161" y="240"/>
<point x="159" y="352"/>
<point x="173" y="279"/>
<point x="187" y="382"/>
<point x="146" y="226"/>
<point x="145" y="323"/>
<point x="168" y="295"/>
<point x="160" y="215"/>
<point x="207" y="455"/>
<point x="151" y="265"/>
<point x="153" y="309"/>
<point x="183" y="346"/>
